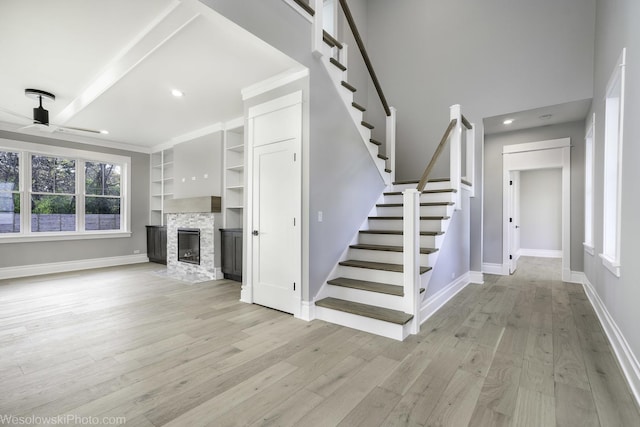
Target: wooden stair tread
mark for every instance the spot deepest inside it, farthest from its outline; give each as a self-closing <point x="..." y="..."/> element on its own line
<point x="415" y="181"/>
<point x="383" y="157"/>
<point x="399" y="218"/>
<point x="373" y="141"/>
<point x="388" y="248"/>
<point x="330" y="40"/>
<point x="366" y="310"/>
<point x="337" y="64"/>
<point x="443" y="190"/>
<point x="399" y="232"/>
<point x="398" y="268"/>
<point x="395" y="205"/>
<point x="365" y="285"/>
<point x="367" y="125"/>
<point x="348" y="86"/>
<point x="358" y="106"/>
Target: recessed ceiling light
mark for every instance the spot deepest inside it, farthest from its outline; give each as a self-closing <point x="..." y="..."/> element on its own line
<point x="177" y="93"/>
<point x="104" y="132"/>
<point x="546" y="116"/>
<point x="508" y="121"/>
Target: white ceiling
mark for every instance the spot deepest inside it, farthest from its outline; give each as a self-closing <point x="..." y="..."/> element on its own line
<point x="545" y="116"/>
<point x="112" y="65"/>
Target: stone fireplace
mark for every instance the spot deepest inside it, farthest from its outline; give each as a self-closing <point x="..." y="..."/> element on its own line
<point x="190" y="240"/>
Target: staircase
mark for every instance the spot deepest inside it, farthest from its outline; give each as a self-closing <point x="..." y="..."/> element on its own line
<point x="380" y="282"/>
<point x="367" y="289"/>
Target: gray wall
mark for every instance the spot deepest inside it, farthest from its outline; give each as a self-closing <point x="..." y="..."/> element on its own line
<point x="342" y="179"/>
<point x="541" y="209"/>
<point x="492" y="57"/>
<point x="17" y="254"/>
<point x="192" y="160"/>
<point x="617" y="27"/>
<point x="493" y="185"/>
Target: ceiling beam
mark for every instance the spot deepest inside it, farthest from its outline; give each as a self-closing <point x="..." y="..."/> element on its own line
<point x="165" y="26"/>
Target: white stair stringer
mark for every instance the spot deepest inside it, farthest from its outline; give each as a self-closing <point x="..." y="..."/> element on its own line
<point x="378" y="299"/>
<point x="337" y="76"/>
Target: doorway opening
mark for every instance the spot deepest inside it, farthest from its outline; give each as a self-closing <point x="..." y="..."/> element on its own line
<point x="520" y="160"/>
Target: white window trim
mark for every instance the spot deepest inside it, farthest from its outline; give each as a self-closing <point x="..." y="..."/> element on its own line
<point x="589" y="173"/>
<point x="612" y="261"/>
<point x="25" y="234"/>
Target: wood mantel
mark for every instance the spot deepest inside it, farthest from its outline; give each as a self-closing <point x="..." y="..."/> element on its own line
<point x="206" y="204"/>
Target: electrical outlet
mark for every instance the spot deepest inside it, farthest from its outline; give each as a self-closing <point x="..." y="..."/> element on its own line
<point x="137" y="251"/>
<point x="319" y="216"/>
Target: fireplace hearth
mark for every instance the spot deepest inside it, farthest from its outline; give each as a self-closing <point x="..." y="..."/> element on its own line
<point x="189" y="245"/>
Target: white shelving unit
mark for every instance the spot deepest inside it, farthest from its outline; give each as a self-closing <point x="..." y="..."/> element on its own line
<point x="161" y="184"/>
<point x="234" y="161"/>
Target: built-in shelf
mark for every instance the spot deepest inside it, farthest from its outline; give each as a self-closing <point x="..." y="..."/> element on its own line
<point x="234" y="161"/>
<point x="161" y="180"/>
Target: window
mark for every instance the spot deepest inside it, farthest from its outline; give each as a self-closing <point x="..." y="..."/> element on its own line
<point x="9" y="192"/>
<point x="67" y="194"/>
<point x="588" y="188"/>
<point x="613" y="127"/>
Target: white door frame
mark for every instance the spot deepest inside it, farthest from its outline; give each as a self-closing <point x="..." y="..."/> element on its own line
<point x="550" y="154"/>
<point x="246" y="294"/>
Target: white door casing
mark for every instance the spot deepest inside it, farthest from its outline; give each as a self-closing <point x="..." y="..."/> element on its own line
<point x="555" y="153"/>
<point x="514" y="221"/>
<point x="273" y="221"/>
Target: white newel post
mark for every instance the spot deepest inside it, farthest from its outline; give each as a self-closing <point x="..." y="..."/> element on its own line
<point x="316" y="32"/>
<point x="411" y="256"/>
<point x="471" y="152"/>
<point x="455" y="155"/>
<point x="391" y="142"/>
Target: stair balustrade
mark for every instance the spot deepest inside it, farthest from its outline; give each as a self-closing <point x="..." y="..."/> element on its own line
<point x="453" y="136"/>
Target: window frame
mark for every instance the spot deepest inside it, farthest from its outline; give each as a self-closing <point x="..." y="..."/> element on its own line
<point x="589" y="202"/>
<point x="612" y="178"/>
<point x="25" y="150"/>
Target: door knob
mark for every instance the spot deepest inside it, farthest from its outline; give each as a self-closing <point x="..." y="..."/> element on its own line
<point x="255" y="232"/>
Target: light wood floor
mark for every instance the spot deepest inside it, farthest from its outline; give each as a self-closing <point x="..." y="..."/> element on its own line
<point x="525" y="350"/>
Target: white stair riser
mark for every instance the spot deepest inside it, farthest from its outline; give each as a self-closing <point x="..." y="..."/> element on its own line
<point x="383" y="256"/>
<point x="390" y="277"/>
<point x="444" y="210"/>
<point x="373" y="326"/>
<point x="394" y="240"/>
<point x="391" y="224"/>
<point x="424" y="198"/>
<point x="393" y="302"/>
<point x="440" y="185"/>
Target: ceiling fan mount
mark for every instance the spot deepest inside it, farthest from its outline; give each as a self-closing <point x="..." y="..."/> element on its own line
<point x="40" y="115"/>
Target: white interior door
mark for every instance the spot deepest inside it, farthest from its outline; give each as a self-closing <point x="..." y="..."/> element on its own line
<point x="514" y="221"/>
<point x="276" y="209"/>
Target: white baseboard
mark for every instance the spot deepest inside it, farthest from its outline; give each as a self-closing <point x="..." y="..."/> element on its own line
<point x="432" y="304"/>
<point x="576" y="277"/>
<point x="476" y="277"/>
<point x="499" y="269"/>
<point x="62" y="267"/>
<point x="541" y="253"/>
<point x="627" y="360"/>
<point x="307" y="311"/>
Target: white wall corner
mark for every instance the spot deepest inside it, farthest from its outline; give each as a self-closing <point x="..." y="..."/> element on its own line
<point x="66" y="266"/>
<point x="476" y="277"/>
<point x="307" y="311"/>
<point x="626" y="358"/>
<point x="435" y="302"/>
<point x="499" y="269"/>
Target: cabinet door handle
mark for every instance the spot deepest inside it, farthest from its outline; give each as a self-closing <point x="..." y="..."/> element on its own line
<point x="255" y="232"/>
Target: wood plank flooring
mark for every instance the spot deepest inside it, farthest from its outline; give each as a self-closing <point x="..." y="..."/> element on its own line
<point x="524" y="350"/>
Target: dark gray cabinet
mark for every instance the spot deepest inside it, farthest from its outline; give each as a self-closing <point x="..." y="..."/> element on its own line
<point x="157" y="243"/>
<point x="232" y="253"/>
